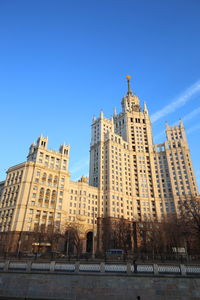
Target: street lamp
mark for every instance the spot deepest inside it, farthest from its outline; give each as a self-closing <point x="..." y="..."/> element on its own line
<point x="68" y="244"/>
<point x="93" y="249"/>
<point x="18" y="250"/>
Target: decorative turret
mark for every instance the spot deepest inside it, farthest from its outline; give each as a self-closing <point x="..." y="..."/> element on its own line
<point x="181" y="124"/>
<point x="145" y="108"/>
<point x="42" y="142"/>
<point x="64" y="149"/>
<point x="32" y="148"/>
<point x="31" y="151"/>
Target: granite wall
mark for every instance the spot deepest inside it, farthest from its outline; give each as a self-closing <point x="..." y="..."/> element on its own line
<point x="28" y="286"/>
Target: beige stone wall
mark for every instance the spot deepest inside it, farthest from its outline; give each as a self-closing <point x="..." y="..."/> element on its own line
<point x="129" y="176"/>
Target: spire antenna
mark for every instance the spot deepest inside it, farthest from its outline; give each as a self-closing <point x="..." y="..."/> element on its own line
<point x="128" y="77"/>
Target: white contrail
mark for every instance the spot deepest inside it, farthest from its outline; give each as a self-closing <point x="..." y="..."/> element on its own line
<point x="191" y="115"/>
<point x="80" y="165"/>
<point x="178" y="102"/>
<point x="193" y="128"/>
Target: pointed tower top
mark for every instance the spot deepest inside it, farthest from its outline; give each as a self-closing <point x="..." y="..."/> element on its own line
<point x="115" y="112"/>
<point x="181" y="123"/>
<point x="101" y="114"/>
<point x="128" y="77"/>
<point x="145" y="108"/>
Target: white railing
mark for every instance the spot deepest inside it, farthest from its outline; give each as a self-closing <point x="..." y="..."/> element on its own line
<point x="77" y="267"/>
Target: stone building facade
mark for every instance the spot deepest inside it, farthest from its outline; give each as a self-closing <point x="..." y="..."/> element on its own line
<point x="130" y="177"/>
<point x="137" y="179"/>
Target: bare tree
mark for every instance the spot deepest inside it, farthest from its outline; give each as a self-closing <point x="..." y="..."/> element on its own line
<point x="73" y="238"/>
<point x="115" y="233"/>
<point x="121" y="235"/>
<point x="190" y="219"/>
<point x="151" y="237"/>
<point x="161" y="238"/>
<point x="8" y="242"/>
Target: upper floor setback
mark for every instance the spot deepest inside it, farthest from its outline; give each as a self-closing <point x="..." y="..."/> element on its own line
<point x="38" y="152"/>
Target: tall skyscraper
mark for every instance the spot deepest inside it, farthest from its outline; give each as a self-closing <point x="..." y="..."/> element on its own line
<point x="130" y="177"/>
<point x="136" y="178"/>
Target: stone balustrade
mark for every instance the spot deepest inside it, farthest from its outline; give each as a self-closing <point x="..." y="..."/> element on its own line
<point x="99" y="268"/>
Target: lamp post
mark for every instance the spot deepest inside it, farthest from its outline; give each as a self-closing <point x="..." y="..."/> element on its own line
<point x="19" y="245"/>
<point x="68" y="244"/>
<point x="93" y="249"/>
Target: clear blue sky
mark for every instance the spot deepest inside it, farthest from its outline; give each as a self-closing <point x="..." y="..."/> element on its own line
<point x="63" y="61"/>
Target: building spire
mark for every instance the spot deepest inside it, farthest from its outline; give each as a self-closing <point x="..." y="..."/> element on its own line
<point x="128" y="77"/>
<point x="115" y="112"/>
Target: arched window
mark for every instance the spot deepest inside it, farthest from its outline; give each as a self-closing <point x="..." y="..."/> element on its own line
<point x="47" y="198"/>
<point x="53" y="196"/>
<point x="41" y="194"/>
<point x="21" y="174"/>
<point x="13" y="176"/>
<point x="47" y="195"/>
<point x="16" y="177"/>
<point x="8" y="180"/>
<point x="55" y="182"/>
<point x="44" y="177"/>
<point x="50" y="178"/>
